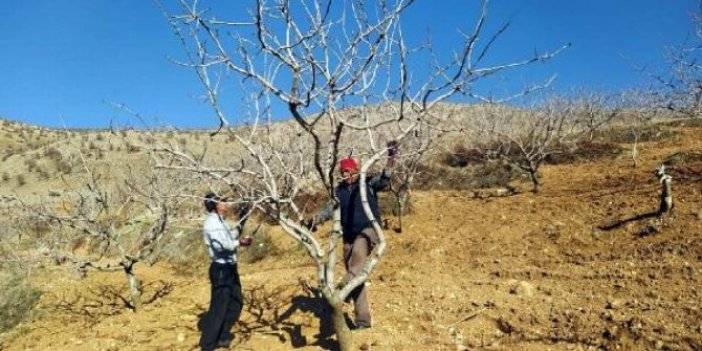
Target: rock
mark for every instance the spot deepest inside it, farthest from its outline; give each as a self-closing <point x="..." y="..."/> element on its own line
<point x="613" y="304"/>
<point x="521" y="288"/>
<point x="181" y="337"/>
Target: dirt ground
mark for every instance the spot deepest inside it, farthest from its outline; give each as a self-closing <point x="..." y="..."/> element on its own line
<point x="522" y="272"/>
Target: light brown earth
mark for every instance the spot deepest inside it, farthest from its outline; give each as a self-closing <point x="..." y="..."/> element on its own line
<point x="523" y="272"/>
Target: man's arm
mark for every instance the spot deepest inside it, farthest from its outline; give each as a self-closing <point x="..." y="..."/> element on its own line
<point x="325" y="214"/>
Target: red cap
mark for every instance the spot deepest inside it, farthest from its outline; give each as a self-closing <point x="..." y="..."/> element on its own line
<point x="348" y="164"/>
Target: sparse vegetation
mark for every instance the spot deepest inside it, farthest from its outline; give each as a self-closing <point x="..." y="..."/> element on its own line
<point x="63" y="166"/>
<point x="21" y="179"/>
<point x="17" y="298"/>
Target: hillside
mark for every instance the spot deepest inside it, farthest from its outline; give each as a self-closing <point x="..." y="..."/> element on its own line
<point x="522" y="272"/>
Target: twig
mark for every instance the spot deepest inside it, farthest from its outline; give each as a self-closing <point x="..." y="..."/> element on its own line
<point x="469" y="316"/>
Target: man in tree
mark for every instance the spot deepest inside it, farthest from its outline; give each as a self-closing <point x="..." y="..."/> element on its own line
<point x="358" y="233"/>
<point x="226" y="300"/>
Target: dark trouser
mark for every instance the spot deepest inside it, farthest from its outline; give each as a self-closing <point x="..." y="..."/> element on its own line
<point x="355" y="255"/>
<point x="225" y="305"/>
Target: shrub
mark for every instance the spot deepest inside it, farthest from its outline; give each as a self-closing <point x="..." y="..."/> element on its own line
<point x="31" y="164"/>
<point x="688" y="123"/>
<point x="655" y="132"/>
<point x="64" y="167"/>
<point x="584" y="150"/>
<point x="21" y="180"/>
<point x="460" y="156"/>
<point x="494" y="174"/>
<point x="5" y="177"/>
<point x="53" y="154"/>
<point x="685" y="166"/>
<point x="43" y="173"/>
<point x="132" y="148"/>
<point x="17" y="299"/>
<point x="489" y="175"/>
<point x="683" y="157"/>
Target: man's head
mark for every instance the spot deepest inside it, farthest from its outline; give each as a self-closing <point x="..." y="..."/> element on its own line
<point x="214" y="203"/>
<point x="349" y="170"/>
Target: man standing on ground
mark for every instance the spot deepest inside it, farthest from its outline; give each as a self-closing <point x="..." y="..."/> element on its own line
<point x="226" y="298"/>
<point x="358" y="232"/>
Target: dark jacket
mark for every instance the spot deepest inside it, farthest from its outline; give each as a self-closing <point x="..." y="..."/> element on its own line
<point x="353" y="218"/>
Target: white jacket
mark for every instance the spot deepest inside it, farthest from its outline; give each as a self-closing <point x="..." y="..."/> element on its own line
<point x="221" y="241"/>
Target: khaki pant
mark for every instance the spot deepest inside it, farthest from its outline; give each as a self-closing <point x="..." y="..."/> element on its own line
<point x="355" y="256"/>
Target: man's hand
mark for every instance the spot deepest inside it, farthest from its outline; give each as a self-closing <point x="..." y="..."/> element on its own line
<point x="245" y="241"/>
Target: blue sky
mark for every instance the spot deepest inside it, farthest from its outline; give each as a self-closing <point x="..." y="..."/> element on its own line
<point x="63" y="62"/>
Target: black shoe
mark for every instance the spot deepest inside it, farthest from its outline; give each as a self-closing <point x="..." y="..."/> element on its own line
<point x="224" y="343"/>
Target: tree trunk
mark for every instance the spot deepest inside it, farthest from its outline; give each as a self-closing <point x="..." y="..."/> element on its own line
<point x="343" y="333"/>
<point x="134" y="289"/>
<point x="535" y="181"/>
<point x="634" y="150"/>
<point x="401" y="200"/>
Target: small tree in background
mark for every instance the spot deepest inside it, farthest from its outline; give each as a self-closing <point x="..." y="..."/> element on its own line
<point x="679" y="89"/>
<point x="107" y="221"/>
<point x="526" y="137"/>
<point x="595" y="110"/>
<point x="641" y="108"/>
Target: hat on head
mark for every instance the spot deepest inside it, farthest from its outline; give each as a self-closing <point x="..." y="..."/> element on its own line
<point x="211" y="200"/>
<point x="348" y="164"/>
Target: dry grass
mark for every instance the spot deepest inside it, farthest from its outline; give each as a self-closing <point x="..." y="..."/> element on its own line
<point x="17" y="298"/>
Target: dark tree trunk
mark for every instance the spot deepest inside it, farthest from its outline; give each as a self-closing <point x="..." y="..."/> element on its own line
<point x="535" y="181"/>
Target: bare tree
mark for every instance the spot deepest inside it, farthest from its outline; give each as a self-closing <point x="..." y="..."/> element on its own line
<point x="342" y="72"/>
<point x="595" y="110"/>
<point x="526" y="137"/>
<point x="407" y="168"/>
<point x="640" y="107"/>
<point x="680" y="86"/>
<point x="107" y="219"/>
